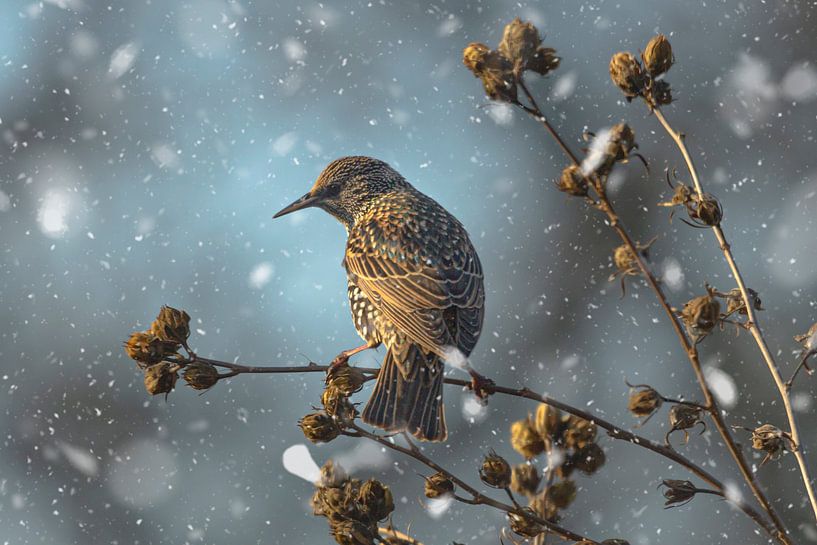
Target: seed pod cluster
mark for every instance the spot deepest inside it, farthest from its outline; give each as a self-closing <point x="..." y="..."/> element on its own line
<point x="342" y="381"/>
<point x="156" y="351"/>
<point x="645" y="80"/>
<point x="500" y="70"/>
<point x="353" y="508"/>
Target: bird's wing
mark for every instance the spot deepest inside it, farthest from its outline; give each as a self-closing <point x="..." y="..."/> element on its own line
<point x="424" y="277"/>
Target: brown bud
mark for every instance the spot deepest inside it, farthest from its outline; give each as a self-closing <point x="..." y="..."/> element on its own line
<point x="523" y="523"/>
<point x="333" y="474"/>
<point x="657" y="55"/>
<point x="474" y="56"/>
<point x="701" y="315"/>
<point x="319" y="427"/>
<point x="376" y="499"/>
<point x="525" y="440"/>
<point x="543" y="61"/>
<point x="562" y="494"/>
<point x="683" y="417"/>
<point x="495" y="471"/>
<point x="573" y="181"/>
<point x="660" y="93"/>
<point x="705" y="211"/>
<point x="677" y="492"/>
<point x="624" y="260"/>
<point x="547" y="422"/>
<point x="588" y="459"/>
<point x="200" y="375"/>
<point x="644" y="402"/>
<point x="438" y="485"/>
<point x="352" y="532"/>
<point x="161" y="378"/>
<point x="519" y="42"/>
<point x="498" y="78"/>
<point x="772" y="440"/>
<point x="579" y="432"/>
<point x="147" y="349"/>
<point x="627" y="74"/>
<point x="338" y="405"/>
<point x="171" y="325"/>
<point x="525" y="479"/>
<point x="345" y="379"/>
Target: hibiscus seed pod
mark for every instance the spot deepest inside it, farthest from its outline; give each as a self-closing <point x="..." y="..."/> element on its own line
<point x="376" y="499"/>
<point x="200" y="375"/>
<point x="345" y="379"/>
<point x="644" y="401"/>
<point x="438" y="485"/>
<point x="627" y="74"/>
<point x="474" y="56"/>
<point x="495" y="471"/>
<point x="352" y="532"/>
<point x="523" y="523"/>
<point x="658" y="56"/>
<point x="172" y="325"/>
<point x="147" y="349"/>
<point x="771" y="440"/>
<point x="588" y="459"/>
<point x="562" y="494"/>
<point x="525" y="440"/>
<point x="677" y="492"/>
<point x="333" y="474"/>
<point x="319" y="427"/>
<point x="161" y="378"/>
<point x="705" y="210"/>
<point x="701" y="314"/>
<point x="498" y="78"/>
<point x="660" y="93"/>
<point x="519" y="42"/>
<point x="548" y="422"/>
<point x="572" y="181"/>
<point x="682" y="417"/>
<point x="544" y="61"/>
<point x="579" y="432"/>
<point x="525" y="479"/>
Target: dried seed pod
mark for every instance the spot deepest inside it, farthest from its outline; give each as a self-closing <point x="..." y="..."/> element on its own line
<point x="579" y="432"/>
<point x="735" y="303"/>
<point x="683" y="417"/>
<point x="172" y="325"/>
<point x="498" y="78"/>
<point x="525" y="440"/>
<point x="771" y="440"/>
<point x="544" y="507"/>
<point x="330" y="502"/>
<point x="588" y="459"/>
<point x="548" y="422"/>
<point x="705" y="210"/>
<point x="624" y="260"/>
<point x="543" y="61"/>
<point x="519" y="42"/>
<point x="523" y="523"/>
<point x="438" y="485"/>
<point x="525" y="479"/>
<point x="644" y="401"/>
<point x="352" y="532"/>
<point x="681" y="196"/>
<point x="627" y="74"/>
<point x="200" y="375"/>
<point x="333" y="475"/>
<point x="495" y="471"/>
<point x="338" y="405"/>
<point x="319" y="427"/>
<point x="474" y="56"/>
<point x="573" y="181"/>
<point x="659" y="93"/>
<point x="620" y="142"/>
<point x="658" y="56"/>
<point x="161" y="378"/>
<point x="701" y="315"/>
<point x="147" y="349"/>
<point x="376" y="499"/>
<point x="809" y="338"/>
<point x="678" y="492"/>
<point x="345" y="380"/>
<point x="562" y="494"/>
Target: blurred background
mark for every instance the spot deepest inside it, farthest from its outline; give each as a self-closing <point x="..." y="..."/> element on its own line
<point x="146" y="145"/>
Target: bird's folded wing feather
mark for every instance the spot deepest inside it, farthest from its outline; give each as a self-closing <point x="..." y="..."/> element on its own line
<point x="421" y="294"/>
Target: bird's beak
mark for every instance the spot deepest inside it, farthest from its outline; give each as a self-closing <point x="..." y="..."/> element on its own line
<point x="304" y="202"/>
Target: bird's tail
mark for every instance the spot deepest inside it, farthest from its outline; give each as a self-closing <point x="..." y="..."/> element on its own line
<point x="412" y="402"/>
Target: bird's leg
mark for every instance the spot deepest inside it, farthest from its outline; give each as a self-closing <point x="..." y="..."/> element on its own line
<point x="343" y="357"/>
<point x="481" y="385"/>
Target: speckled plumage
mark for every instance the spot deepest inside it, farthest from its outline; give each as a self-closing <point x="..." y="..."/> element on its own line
<point x="415" y="285"/>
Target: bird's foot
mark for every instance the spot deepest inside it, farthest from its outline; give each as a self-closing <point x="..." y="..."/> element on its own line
<point x="339" y="361"/>
<point x="481" y="385"/>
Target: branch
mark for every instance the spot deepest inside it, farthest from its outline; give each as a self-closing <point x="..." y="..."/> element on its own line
<point x="689" y="347"/>
<point x="751" y="321"/>
<point x="613" y="431"/>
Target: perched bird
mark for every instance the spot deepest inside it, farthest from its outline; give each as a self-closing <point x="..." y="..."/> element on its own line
<point x="415" y="284"/>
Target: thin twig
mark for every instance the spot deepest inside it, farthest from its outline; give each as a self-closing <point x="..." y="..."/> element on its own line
<point x="689" y="347"/>
<point x="751" y="320"/>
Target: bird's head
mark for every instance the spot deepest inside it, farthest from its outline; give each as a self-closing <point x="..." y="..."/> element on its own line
<point x="348" y="186"/>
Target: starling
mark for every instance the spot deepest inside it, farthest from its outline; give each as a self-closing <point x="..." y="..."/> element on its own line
<point x="415" y="284"/>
